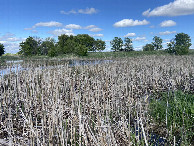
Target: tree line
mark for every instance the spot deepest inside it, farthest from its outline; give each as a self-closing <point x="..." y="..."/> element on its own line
<point x="82" y="43"/>
<point x="179" y="45"/>
<point x="79" y="45"/>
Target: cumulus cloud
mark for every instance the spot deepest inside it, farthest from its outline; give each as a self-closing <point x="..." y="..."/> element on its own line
<point x="167" y="32"/>
<point x="58" y="32"/>
<point x="140" y="39"/>
<point x="130" y="35"/>
<point x="46" y="24"/>
<point x="130" y="22"/>
<point x="97" y="35"/>
<point x="11" y="42"/>
<point x="167" y="23"/>
<point x="90" y="26"/>
<point x="87" y="11"/>
<point x="73" y="26"/>
<point x="9" y="37"/>
<point x="11" y="47"/>
<point x="69" y="12"/>
<point x="81" y="11"/>
<point x="95" y="29"/>
<point x="176" y="8"/>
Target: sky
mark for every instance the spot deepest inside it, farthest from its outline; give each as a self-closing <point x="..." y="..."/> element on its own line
<point x="139" y="20"/>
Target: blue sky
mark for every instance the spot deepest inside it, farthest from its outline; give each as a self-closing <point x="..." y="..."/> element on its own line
<point x="140" y="20"/>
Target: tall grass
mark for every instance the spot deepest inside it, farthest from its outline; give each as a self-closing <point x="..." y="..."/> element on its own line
<point x="174" y="111"/>
<point x="102" y="104"/>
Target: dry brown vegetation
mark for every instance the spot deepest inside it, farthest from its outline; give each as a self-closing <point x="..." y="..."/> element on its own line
<point x="87" y="105"/>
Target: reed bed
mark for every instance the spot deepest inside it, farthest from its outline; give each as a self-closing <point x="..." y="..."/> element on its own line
<point x="101" y="104"/>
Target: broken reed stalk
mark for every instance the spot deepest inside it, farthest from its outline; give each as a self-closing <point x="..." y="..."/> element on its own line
<point x="91" y="105"/>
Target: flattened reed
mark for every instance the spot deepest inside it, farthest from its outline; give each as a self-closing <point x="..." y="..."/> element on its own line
<point x="102" y="104"/>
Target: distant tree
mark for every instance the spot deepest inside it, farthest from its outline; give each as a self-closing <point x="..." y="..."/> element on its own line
<point x="99" y="45"/>
<point x="116" y="44"/>
<point x="85" y="40"/>
<point x="180" y="45"/>
<point x="81" y="50"/>
<point x="48" y="44"/>
<point x="52" y="52"/>
<point x="30" y="47"/>
<point x="2" y="49"/>
<point x="61" y="45"/>
<point x="128" y="46"/>
<point x="148" y="47"/>
<point x="157" y="43"/>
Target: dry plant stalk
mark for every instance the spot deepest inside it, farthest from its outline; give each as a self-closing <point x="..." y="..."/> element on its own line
<point x="54" y="104"/>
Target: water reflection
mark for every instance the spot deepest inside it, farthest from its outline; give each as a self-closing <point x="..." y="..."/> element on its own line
<point x="16" y="66"/>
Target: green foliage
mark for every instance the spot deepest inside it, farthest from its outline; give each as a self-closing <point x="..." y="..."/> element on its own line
<point x="117" y="44"/>
<point x="128" y="46"/>
<point x="2" y="49"/>
<point x="52" y="52"/>
<point x="61" y="45"/>
<point x="81" y="50"/>
<point x="157" y="43"/>
<point x="48" y="44"/>
<point x="73" y="44"/>
<point x="99" y="45"/>
<point x="30" y="47"/>
<point x="180" y="45"/>
<point x="148" y="47"/>
<point x="86" y="40"/>
<point x="178" y="108"/>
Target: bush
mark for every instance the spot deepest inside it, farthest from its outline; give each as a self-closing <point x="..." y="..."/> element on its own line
<point x="148" y="47"/>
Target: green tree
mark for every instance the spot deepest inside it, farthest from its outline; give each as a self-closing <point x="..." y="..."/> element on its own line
<point x="2" y="49"/>
<point x="116" y="44"/>
<point x="99" y="45"/>
<point x="81" y="50"/>
<point x="157" y="43"/>
<point x="30" y="47"/>
<point x="180" y="45"/>
<point x="61" y="45"/>
<point x="52" y="52"/>
<point x="85" y="40"/>
<point x="148" y="47"/>
<point x="128" y="46"/>
<point x="47" y="45"/>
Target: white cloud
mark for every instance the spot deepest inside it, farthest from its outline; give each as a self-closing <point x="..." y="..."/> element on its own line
<point x="10" y="47"/>
<point x="58" y="32"/>
<point x="130" y="35"/>
<point x="81" y="11"/>
<point x="130" y="22"/>
<point x="69" y="12"/>
<point x="90" y="26"/>
<point x="167" y="32"/>
<point x="140" y="39"/>
<point x="97" y="35"/>
<point x="73" y="26"/>
<point x="167" y="23"/>
<point x="138" y="48"/>
<point x="176" y="8"/>
<point x="95" y="29"/>
<point x="87" y="11"/>
<point x="9" y="37"/>
<point x="45" y="24"/>
<point x="48" y="24"/>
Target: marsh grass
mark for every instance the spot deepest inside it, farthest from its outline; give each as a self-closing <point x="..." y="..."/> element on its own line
<point x="101" y="104"/>
<point x="174" y="111"/>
